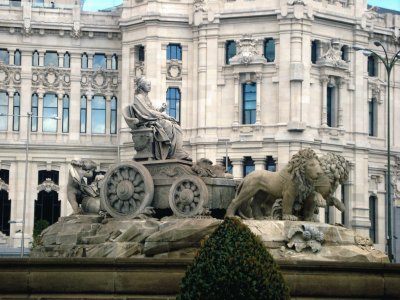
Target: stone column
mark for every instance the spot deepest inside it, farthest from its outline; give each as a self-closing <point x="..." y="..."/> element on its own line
<point x="202" y="83"/>
<point x="11" y="55"/>
<point x="324" y="86"/>
<point x="236" y="78"/>
<point x="89" y="96"/>
<point x="90" y="59"/>
<point x="259" y="163"/>
<point x="75" y="97"/>
<point x="109" y="56"/>
<point x="10" y="118"/>
<point x="258" y="98"/>
<point x="341" y="83"/>
<point x="237" y="167"/>
<point x="26" y="92"/>
<point x="60" y="60"/>
<point x="41" y="58"/>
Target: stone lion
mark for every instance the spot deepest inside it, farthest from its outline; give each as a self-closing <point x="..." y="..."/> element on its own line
<point x="296" y="180"/>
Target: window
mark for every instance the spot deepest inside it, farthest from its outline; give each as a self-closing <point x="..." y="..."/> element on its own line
<point x="248" y="165"/>
<point x="16" y="111"/>
<point x="372" y="114"/>
<point x="230" y="50"/>
<point x="343" y="199"/>
<point x="50" y="109"/>
<point x="249" y="103"/>
<point x="65" y="114"/>
<point x="5" y="204"/>
<point x="173" y="103"/>
<point x="98" y="114"/>
<point x="51" y="58"/>
<point x="67" y="60"/>
<point x="140" y="53"/>
<point x="34" y="110"/>
<point x="15" y="3"/>
<point x="314" y="51"/>
<point x="83" y="114"/>
<point x="372" y="66"/>
<point x="327" y="214"/>
<point x="35" y="58"/>
<point x="17" y="57"/>
<point x="269" y="49"/>
<point x="345" y="53"/>
<point x="47" y="205"/>
<point x="114" y="62"/>
<point x="230" y="167"/>
<point x="99" y="61"/>
<point x="113" y="121"/>
<point x="3" y="111"/>
<point x="174" y="51"/>
<point x="38" y="3"/>
<point x="372" y="218"/>
<point x="270" y="164"/>
<point x="4" y="57"/>
<point x="84" y="61"/>
<point x="331" y="107"/>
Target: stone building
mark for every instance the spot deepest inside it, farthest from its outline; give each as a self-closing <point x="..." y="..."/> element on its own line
<point x="251" y="83"/>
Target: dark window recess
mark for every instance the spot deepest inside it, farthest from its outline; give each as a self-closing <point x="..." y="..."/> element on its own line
<point x="230" y="50"/>
<point x="269" y="50"/>
<point x="248" y="165"/>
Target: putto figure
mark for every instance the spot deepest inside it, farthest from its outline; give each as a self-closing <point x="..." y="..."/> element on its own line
<point x="167" y="132"/>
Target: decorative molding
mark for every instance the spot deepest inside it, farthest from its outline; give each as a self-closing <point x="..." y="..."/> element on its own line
<point x="139" y="69"/>
<point x="51" y="77"/>
<point x="247" y="52"/>
<point x="3" y="185"/>
<point x="100" y="80"/>
<point x="174" y="70"/>
<point x="48" y="186"/>
<point x="200" y="5"/>
<point x="76" y="30"/>
<point x="9" y="75"/>
<point x="333" y="56"/>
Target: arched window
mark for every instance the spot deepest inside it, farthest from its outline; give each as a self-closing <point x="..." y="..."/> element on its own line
<point x="98" y="114"/>
<point x="174" y="51"/>
<point x="4" y="56"/>
<point x="17" y="57"/>
<point x="114" y="62"/>
<point x="230" y="50"/>
<point x="83" y="114"/>
<point x="99" y="61"/>
<point x="248" y="165"/>
<point x="50" y="110"/>
<point x="34" y="110"/>
<point x="3" y="111"/>
<point x="65" y="114"/>
<point x="51" y="58"/>
<point x="270" y="164"/>
<point x="16" y="111"/>
<point x="269" y="49"/>
<point x="84" y="61"/>
<point x="5" y="204"/>
<point x="67" y="60"/>
<point x="372" y="117"/>
<point x="47" y="206"/>
<point x="249" y="103"/>
<point x="113" y="117"/>
<point x="35" y="58"/>
<point x="173" y="103"/>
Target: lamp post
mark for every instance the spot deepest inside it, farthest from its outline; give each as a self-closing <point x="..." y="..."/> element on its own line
<point x="389" y="64"/>
<point x="28" y="133"/>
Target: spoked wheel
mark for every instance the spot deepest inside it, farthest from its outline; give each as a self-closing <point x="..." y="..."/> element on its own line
<point x="127" y="189"/>
<point x="187" y="196"/>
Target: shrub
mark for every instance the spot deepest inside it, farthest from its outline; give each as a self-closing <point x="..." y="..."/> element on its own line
<point x="38" y="227"/>
<point x="233" y="264"/>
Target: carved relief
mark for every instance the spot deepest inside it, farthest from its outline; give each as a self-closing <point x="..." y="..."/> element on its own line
<point x="48" y="185"/>
<point x="3" y="185"/>
<point x="247" y="52"/>
<point x="27" y="28"/>
<point x="305" y="236"/>
<point x="50" y="77"/>
<point x="174" y="70"/>
<point x="9" y="75"/>
<point x="396" y="179"/>
<point x="139" y="69"/>
<point x="100" y="80"/>
<point x="76" y="30"/>
<point x="376" y="90"/>
<point x="200" y="5"/>
<point x="333" y="57"/>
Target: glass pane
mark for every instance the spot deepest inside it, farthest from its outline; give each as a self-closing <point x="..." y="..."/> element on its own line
<point x="51" y="59"/>
<point x="230" y="50"/>
<point x="83" y="121"/>
<point x="66" y="60"/>
<point x="98" y="102"/>
<point x="98" y="121"/>
<point x="174" y="51"/>
<point x="269" y="50"/>
<point x="141" y="53"/>
<point x="65" y="101"/>
<point x="65" y="120"/>
<point x="50" y="100"/>
<point x="35" y="59"/>
<point x="99" y="61"/>
<point x="16" y="113"/>
<point x="83" y="102"/>
<point x="49" y="124"/>
<point x="34" y="100"/>
<point x="3" y="111"/>
<point x="34" y="121"/>
<point x="114" y="62"/>
<point x="4" y="56"/>
<point x="17" y="58"/>
<point x="84" y="61"/>
<point x="113" y="103"/>
<point x="3" y="98"/>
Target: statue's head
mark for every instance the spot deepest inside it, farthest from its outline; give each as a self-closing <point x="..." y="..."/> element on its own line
<point x="143" y="85"/>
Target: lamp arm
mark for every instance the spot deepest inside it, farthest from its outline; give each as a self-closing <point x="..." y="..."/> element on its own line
<point x="394" y="59"/>
<point x="385" y="62"/>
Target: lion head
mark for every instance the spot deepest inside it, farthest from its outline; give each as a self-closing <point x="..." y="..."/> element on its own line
<point x="335" y="167"/>
<point x="304" y="168"/>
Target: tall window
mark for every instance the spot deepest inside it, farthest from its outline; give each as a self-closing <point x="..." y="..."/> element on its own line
<point x="65" y="114"/>
<point x="35" y="58"/>
<point x="269" y="49"/>
<point x="84" y="61"/>
<point x="50" y="109"/>
<point x="230" y="166"/>
<point x="51" y="58"/>
<point x="314" y="51"/>
<point x="16" y="111"/>
<point x="34" y="110"/>
<point x="5" y="204"/>
<point x="98" y="114"/>
<point x="345" y="53"/>
<point x="173" y="103"/>
<point x="114" y="62"/>
<point x="372" y="218"/>
<point x="249" y="103"/>
<point x="372" y="66"/>
<point x="174" y="51"/>
<point x="67" y="60"/>
<point x="113" y="121"/>
<point x="17" y="57"/>
<point x="270" y="164"/>
<point x="230" y="50"/>
<point x="372" y="116"/>
<point x="3" y="111"/>
<point x="47" y="206"/>
<point x="331" y="107"/>
<point x="140" y="53"/>
<point x="83" y="114"/>
<point x="327" y="215"/>
<point x="99" y="61"/>
<point x="4" y="56"/>
<point x="248" y="165"/>
<point x="343" y="199"/>
<point x="38" y="3"/>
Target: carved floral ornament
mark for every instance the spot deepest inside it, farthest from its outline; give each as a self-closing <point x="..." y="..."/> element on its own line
<point x="3" y="185"/>
<point x="247" y="51"/>
<point x="333" y="56"/>
<point x="396" y="178"/>
<point x="48" y="186"/>
<point x="9" y="75"/>
<point x="100" y="79"/>
<point x="51" y="77"/>
<point x="174" y="70"/>
<point x="200" y="5"/>
<point x="375" y="91"/>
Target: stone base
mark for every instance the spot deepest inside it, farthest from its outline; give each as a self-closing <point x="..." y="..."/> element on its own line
<point x="93" y="236"/>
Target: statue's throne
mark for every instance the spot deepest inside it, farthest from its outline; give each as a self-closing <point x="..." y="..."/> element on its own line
<point x="143" y="137"/>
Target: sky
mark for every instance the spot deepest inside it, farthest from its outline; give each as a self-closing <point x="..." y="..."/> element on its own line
<point x="101" y="4"/>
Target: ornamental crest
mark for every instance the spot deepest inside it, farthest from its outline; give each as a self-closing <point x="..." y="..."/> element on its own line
<point x="305" y="236"/>
<point x="76" y="31"/>
<point x="174" y="70"/>
<point x="9" y="75"/>
<point x="48" y="186"/>
<point x="333" y="57"/>
<point x="100" y="80"/>
<point x="247" y="52"/>
<point x="200" y="5"/>
<point x="50" y="77"/>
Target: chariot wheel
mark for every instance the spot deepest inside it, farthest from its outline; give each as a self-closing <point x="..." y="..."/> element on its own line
<point x="187" y="196"/>
<point x="127" y="189"/>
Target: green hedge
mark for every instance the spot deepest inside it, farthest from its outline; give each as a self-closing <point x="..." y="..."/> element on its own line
<point x="233" y="264"/>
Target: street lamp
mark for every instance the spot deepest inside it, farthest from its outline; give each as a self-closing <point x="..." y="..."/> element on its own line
<point x="389" y="64"/>
<point x="28" y="132"/>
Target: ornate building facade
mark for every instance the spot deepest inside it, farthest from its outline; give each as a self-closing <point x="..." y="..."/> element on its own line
<point x="251" y="83"/>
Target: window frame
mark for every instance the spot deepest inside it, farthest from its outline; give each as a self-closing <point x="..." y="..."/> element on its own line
<point x="113" y="114"/>
<point x="35" y="58"/>
<point x="6" y="60"/>
<point x="17" y="54"/>
<point x="16" y="111"/>
<point x="67" y="60"/>
<point x="233" y="51"/>
<point x="95" y="64"/>
<point x="176" y="99"/>
<point x="174" y="51"/>
<point x="95" y="111"/>
<point x="4" y="110"/>
<point x="47" y="63"/>
<point x="35" y="112"/>
<point x="84" y="61"/>
<point x="45" y="110"/>
<point x="65" y="114"/>
<point x="83" y="113"/>
<point x="249" y="116"/>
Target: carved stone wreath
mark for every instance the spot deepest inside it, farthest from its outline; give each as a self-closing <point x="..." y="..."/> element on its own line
<point x="48" y="185"/>
<point x="174" y="70"/>
<point x="51" y="77"/>
<point x="100" y="79"/>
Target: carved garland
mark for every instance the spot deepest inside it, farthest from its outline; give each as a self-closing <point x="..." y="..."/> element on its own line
<point x="48" y="185"/>
<point x="9" y="75"/>
<point x="51" y="78"/>
<point x="100" y="80"/>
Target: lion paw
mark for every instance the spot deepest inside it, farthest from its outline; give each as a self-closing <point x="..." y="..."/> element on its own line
<point x="289" y="217"/>
<point x="319" y="200"/>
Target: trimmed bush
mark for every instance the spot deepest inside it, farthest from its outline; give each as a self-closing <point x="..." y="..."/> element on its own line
<point x="233" y="264"/>
<point x="38" y="227"/>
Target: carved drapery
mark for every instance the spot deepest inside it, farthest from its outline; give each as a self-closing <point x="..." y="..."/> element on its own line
<point x="48" y="186"/>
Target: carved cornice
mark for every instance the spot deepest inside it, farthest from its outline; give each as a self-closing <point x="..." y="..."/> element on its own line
<point x="48" y="186"/>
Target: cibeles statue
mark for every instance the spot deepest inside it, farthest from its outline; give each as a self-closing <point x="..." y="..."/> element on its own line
<point x="84" y="197"/>
<point x="166" y="133"/>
